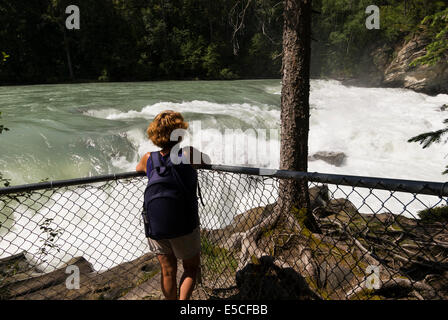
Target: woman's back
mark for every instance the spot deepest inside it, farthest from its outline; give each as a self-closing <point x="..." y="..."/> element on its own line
<point x="170" y="199"/>
<point x="171" y="206"/>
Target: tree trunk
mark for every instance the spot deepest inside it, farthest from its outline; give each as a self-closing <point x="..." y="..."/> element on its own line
<point x="295" y="110"/>
<point x="292" y="210"/>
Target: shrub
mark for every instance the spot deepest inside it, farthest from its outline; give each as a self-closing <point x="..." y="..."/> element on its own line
<point x="437" y="214"/>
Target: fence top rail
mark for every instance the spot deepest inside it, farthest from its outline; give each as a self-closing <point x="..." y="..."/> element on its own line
<point x="408" y="186"/>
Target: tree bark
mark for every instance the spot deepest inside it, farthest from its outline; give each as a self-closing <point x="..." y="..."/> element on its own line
<point x="295" y="109"/>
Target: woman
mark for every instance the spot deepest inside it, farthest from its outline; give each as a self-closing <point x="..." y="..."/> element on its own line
<point x="187" y="246"/>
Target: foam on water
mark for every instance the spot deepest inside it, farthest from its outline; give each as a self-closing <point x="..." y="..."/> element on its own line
<point x="256" y="116"/>
<point x="371" y="126"/>
<point x="89" y="221"/>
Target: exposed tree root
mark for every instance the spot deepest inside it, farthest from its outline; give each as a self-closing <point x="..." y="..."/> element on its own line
<point x="339" y="256"/>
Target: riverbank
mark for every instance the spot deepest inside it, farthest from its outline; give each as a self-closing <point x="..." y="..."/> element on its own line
<point x="261" y="256"/>
<point x="393" y="67"/>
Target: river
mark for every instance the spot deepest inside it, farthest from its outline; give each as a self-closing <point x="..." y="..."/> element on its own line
<point x="78" y="130"/>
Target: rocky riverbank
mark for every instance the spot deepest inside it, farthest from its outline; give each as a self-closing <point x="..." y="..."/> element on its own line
<point x="265" y="255"/>
<point x="279" y="257"/>
<point x="391" y="67"/>
<point x="19" y="280"/>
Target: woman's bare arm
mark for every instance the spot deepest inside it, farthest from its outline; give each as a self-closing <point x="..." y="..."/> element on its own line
<point x="141" y="166"/>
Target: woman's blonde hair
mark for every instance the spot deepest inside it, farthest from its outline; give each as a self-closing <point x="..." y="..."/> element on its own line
<point x="159" y="131"/>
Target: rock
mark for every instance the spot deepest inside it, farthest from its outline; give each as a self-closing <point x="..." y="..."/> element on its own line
<point x="381" y="57"/>
<point x="319" y="196"/>
<point x="265" y="280"/>
<point x="230" y="237"/>
<point x="117" y="281"/>
<point x="240" y="223"/>
<point x="111" y="284"/>
<point x="424" y="78"/>
<point x="372" y="66"/>
<point x="344" y="205"/>
<point x="233" y="242"/>
<point x="410" y="253"/>
<point x="25" y="283"/>
<point x="334" y="158"/>
<point x="14" y="264"/>
<point x="444" y="107"/>
<point x="385" y="66"/>
<point x="333" y="277"/>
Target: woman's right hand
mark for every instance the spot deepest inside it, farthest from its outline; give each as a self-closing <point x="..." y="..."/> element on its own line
<point x="196" y="157"/>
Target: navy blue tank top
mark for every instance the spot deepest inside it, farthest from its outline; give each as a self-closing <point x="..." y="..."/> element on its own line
<point x="188" y="176"/>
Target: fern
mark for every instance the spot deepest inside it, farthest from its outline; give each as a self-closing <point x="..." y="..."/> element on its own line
<point x="429" y="138"/>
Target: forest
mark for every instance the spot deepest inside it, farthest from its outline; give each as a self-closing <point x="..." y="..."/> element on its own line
<point x="142" y="40"/>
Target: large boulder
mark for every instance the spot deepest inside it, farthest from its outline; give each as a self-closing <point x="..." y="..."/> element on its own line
<point x="29" y="282"/>
<point x="114" y="283"/>
<point x="14" y="264"/>
<point x="421" y="78"/>
<point x="334" y="158"/>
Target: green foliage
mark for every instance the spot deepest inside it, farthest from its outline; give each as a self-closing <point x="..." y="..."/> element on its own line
<point x="344" y="44"/>
<point x="50" y="236"/>
<point x="139" y="40"/>
<point x="5" y="56"/>
<point x="428" y="138"/>
<point x="3" y="59"/>
<point x="104" y="76"/>
<point x="124" y="40"/>
<point x="211" y="61"/>
<point x="341" y="36"/>
<point x="136" y="40"/>
<point x="227" y="74"/>
<point x="436" y="28"/>
<point x="216" y="259"/>
<point x="437" y="214"/>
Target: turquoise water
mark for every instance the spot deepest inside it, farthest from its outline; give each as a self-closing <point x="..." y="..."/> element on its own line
<point x="62" y="131"/>
<point x="79" y="130"/>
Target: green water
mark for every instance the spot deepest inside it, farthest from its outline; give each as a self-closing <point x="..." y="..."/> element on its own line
<point x="79" y="130"/>
<point x="54" y="134"/>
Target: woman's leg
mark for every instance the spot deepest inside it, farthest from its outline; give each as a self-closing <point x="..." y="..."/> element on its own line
<point x="188" y="279"/>
<point x="168" y="263"/>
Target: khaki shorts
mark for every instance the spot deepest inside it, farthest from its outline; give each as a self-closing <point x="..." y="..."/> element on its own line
<point x="184" y="247"/>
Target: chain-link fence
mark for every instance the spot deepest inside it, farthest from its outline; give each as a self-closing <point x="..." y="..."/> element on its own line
<point x="373" y="239"/>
